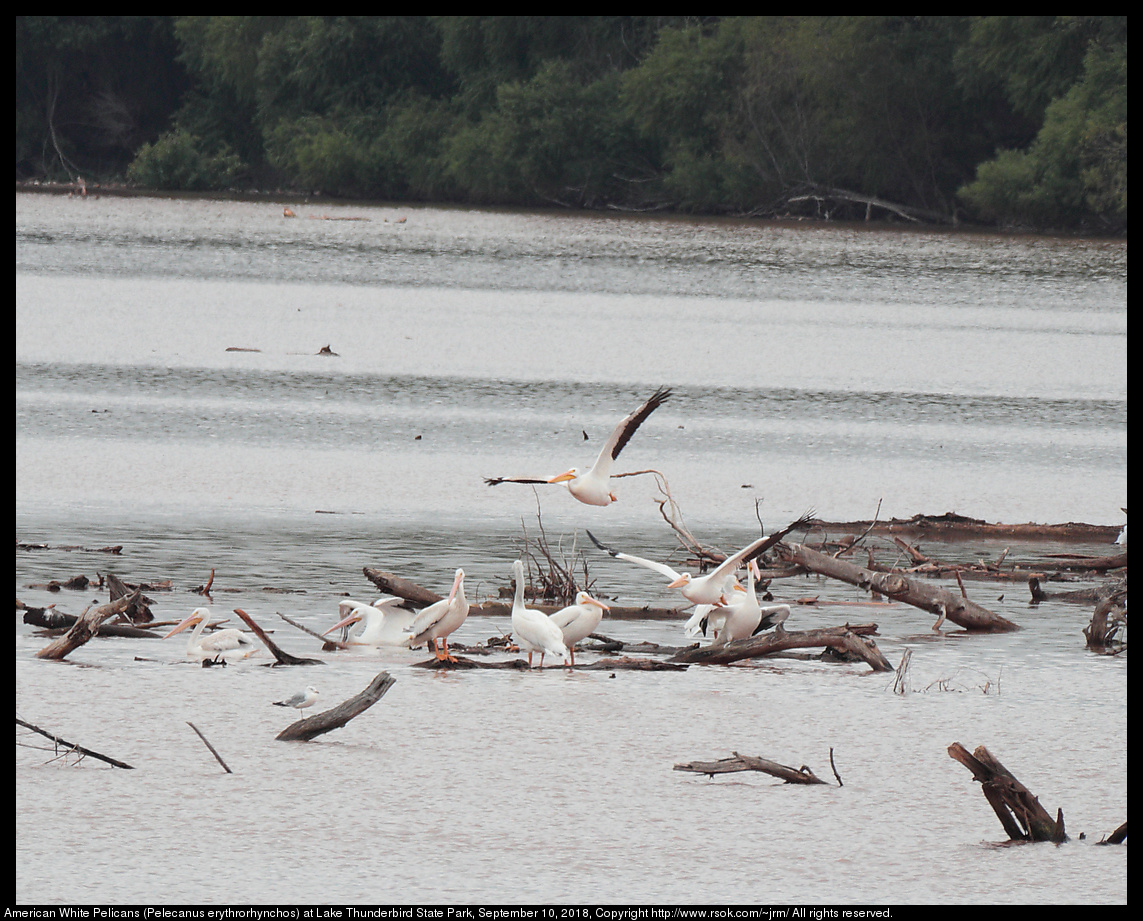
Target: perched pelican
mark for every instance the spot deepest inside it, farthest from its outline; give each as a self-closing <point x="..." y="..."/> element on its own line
<point x="593" y="486"/>
<point x="578" y="620"/>
<point x="532" y="629"/>
<point x="715" y="586"/>
<point x="301" y="700"/>
<point x="743" y="614"/>
<point x="386" y="623"/>
<point x="439" y="620"/>
<point x="228" y="644"/>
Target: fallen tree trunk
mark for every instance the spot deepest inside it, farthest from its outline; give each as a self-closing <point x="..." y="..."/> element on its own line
<point x="402" y="588"/>
<point x="71" y="746"/>
<point x="86" y="627"/>
<point x="310" y="727"/>
<point x="844" y="639"/>
<point x="802" y="775"/>
<point x="934" y="599"/>
<point x="281" y="657"/>
<point x="1021" y="814"/>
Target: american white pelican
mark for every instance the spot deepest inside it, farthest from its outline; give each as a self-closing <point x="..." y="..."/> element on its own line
<point x="578" y="620"/>
<point x="593" y="486"/>
<point x="228" y="644"/>
<point x="743" y="613"/>
<point x="713" y="588"/>
<point x="532" y="629"/>
<point x="301" y="700"/>
<point x="440" y="619"/>
<point x="386" y="623"/>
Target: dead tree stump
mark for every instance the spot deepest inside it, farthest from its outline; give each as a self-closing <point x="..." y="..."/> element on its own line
<point x="312" y="726"/>
<point x="1021" y="814"/>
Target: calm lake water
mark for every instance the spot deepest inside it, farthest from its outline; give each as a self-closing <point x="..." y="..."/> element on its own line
<point x="825" y="367"/>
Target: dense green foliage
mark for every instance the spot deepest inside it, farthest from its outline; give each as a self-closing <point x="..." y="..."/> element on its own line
<point x="1021" y="121"/>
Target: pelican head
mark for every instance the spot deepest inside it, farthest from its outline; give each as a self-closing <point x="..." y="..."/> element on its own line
<point x="354" y="616"/>
<point x="566" y="476"/>
<point x="583" y="598"/>
<point x="684" y="579"/>
<point x="198" y="614"/>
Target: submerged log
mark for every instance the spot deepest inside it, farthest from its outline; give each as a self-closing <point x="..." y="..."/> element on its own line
<point x="844" y="639"/>
<point x="802" y="775"/>
<point x="86" y="627"/>
<point x="281" y="657"/>
<point x="940" y="601"/>
<point x="71" y="746"/>
<point x="1021" y="814"/>
<point x="305" y="729"/>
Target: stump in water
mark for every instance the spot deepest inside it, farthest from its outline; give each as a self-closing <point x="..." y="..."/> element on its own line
<point x="312" y="726"/>
<point x="1021" y="814"/>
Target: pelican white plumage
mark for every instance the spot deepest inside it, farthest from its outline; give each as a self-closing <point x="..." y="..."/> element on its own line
<point x="532" y="629"/>
<point x="715" y="586"/>
<point x="386" y="623"/>
<point x="229" y="644"/>
<point x="593" y="485"/>
<point x="743" y="613"/>
<point x="300" y="700"/>
<point x="440" y="619"/>
<point x="578" y="620"/>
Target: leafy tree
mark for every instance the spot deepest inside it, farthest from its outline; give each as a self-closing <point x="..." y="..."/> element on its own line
<point x="1075" y="171"/>
<point x="90" y="90"/>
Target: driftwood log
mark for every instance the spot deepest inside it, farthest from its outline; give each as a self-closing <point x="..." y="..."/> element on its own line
<point x="416" y="594"/>
<point x="1021" y="814"/>
<point x="138" y="611"/>
<point x="281" y="657"/>
<point x="802" y="775"/>
<point x="86" y="627"/>
<point x="846" y="640"/>
<point x="71" y="746"/>
<point x="310" y="727"/>
<point x="940" y="601"/>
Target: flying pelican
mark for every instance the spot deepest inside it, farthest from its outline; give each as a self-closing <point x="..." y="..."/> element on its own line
<point x="440" y="619"/>
<point x="578" y="620"/>
<point x="225" y="644"/>
<point x="301" y="700"/>
<point x="386" y="623"/>
<point x="533" y="630"/>
<point x="714" y="587"/>
<point x="593" y="486"/>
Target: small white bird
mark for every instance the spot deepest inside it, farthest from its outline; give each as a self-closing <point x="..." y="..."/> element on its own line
<point x="578" y="620"/>
<point x="532" y="629"/>
<point x="593" y="486"/>
<point x="227" y="645"/>
<point x="440" y="619"/>
<point x="301" y="700"/>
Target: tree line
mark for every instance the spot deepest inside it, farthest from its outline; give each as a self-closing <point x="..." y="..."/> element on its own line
<point x="1017" y="121"/>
